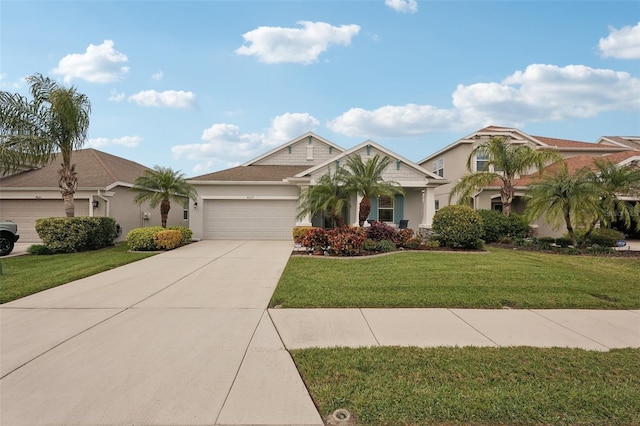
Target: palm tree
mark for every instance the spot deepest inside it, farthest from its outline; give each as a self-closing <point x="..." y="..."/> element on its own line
<point x="328" y="195"/>
<point x="159" y="186"/>
<point x="572" y="199"/>
<point x="365" y="179"/>
<point x="505" y="161"/>
<point x="612" y="182"/>
<point x="55" y="121"/>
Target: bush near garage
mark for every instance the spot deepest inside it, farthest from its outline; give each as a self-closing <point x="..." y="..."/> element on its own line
<point x="75" y="234"/>
<point x="186" y="233"/>
<point x="142" y="239"/>
<point x="167" y="239"/>
<point x="299" y="232"/>
<point x="458" y="226"/>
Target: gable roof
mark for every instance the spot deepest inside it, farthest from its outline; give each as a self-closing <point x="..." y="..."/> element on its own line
<point x="291" y="142"/>
<point x="378" y="147"/>
<point x="632" y="142"/>
<point x="251" y="173"/>
<point x="95" y="169"/>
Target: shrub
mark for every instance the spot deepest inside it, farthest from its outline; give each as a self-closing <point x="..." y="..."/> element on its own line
<point x="346" y="241"/>
<point x="517" y="227"/>
<point x="458" y="227"/>
<point x="413" y="243"/>
<point x="315" y="239"/>
<point x="432" y="244"/>
<point x="564" y="241"/>
<point x="545" y="242"/>
<point x="369" y="245"/>
<point x="385" y="246"/>
<point x="186" y="233"/>
<point x="74" y="234"/>
<point x="39" y="250"/>
<point x="495" y="225"/>
<point x="404" y="235"/>
<point x="605" y="237"/>
<point x="299" y="232"/>
<point x="141" y="239"/>
<point x="379" y="231"/>
<point x="167" y="239"/>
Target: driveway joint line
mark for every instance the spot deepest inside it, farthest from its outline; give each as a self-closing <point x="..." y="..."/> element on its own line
<point x="369" y="326"/>
<point x="569" y="329"/>
<point x="478" y="331"/>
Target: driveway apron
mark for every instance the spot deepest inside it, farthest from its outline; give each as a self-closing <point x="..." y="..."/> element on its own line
<point x="181" y="338"/>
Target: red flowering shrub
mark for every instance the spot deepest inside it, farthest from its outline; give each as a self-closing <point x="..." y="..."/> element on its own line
<point x="315" y="239"/>
<point x="379" y="231"/>
<point x="346" y="241"/>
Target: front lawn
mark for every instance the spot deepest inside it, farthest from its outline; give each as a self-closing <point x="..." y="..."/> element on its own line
<point x="494" y="279"/>
<point x="25" y="275"/>
<point x="454" y="386"/>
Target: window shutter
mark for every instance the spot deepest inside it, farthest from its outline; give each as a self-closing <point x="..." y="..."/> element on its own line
<point x="398" y="212"/>
<point x="374" y="209"/>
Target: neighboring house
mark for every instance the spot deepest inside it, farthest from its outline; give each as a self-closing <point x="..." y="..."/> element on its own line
<point x="103" y="190"/>
<point x="259" y="199"/>
<point x="451" y="163"/>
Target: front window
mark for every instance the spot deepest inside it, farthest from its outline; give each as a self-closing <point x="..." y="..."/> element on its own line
<point x="438" y="167"/>
<point x="385" y="209"/>
<point x="482" y="160"/>
<point x="437" y="205"/>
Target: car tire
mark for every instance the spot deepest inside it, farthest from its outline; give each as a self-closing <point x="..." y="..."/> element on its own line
<point x="6" y="246"/>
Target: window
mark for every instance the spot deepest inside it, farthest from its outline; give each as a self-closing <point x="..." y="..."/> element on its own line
<point x="482" y="160"/>
<point x="438" y="167"/>
<point x="185" y="214"/>
<point x="385" y="209"/>
<point x="437" y="205"/>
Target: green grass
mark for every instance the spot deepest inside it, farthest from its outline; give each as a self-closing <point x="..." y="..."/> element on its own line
<point x="495" y="279"/>
<point x="25" y="275"/>
<point x="451" y="386"/>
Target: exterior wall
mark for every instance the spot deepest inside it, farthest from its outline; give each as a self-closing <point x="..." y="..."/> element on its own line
<point x="308" y="151"/>
<point x="237" y="191"/>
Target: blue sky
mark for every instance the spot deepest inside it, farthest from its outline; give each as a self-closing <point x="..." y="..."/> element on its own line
<point x="201" y="86"/>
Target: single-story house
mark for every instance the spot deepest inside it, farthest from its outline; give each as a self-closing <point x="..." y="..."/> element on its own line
<point x="259" y="199"/>
<point x="103" y="190"/>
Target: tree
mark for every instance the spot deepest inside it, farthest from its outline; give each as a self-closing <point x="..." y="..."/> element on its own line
<point x="328" y="195"/>
<point x="365" y="179"/>
<point x="159" y="186"/>
<point x="55" y="121"/>
<point x="505" y="161"/>
<point x="572" y="199"/>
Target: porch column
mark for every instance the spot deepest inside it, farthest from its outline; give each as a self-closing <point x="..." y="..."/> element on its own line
<point x="306" y="220"/>
<point x="428" y="207"/>
<point x="357" y="213"/>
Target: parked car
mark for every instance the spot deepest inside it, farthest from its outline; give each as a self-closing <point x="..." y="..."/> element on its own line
<point x="8" y="236"/>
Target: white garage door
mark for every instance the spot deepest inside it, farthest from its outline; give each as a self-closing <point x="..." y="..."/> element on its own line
<point x="25" y="213"/>
<point x="249" y="219"/>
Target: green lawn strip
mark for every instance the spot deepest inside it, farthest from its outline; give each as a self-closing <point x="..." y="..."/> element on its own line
<point x="495" y="279"/>
<point x="25" y="275"/>
<point x="526" y="386"/>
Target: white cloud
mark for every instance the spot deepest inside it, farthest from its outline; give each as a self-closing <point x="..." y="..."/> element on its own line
<point x="539" y="93"/>
<point x="126" y="141"/>
<point x="297" y="45"/>
<point x="391" y="120"/>
<point x="225" y="145"/>
<point x="622" y="44"/>
<point x="115" y="96"/>
<point x="158" y="76"/>
<point x="168" y="98"/>
<point x="11" y="85"/>
<point x="406" y="6"/>
<point x="99" y="64"/>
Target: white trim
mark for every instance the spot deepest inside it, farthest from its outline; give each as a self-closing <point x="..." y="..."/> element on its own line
<point x="240" y="182"/>
<point x="250" y="197"/>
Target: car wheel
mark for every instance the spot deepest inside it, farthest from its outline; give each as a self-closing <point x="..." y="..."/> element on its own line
<point x="6" y="246"/>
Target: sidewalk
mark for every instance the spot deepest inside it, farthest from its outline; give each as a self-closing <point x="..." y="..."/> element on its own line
<point x="184" y="338"/>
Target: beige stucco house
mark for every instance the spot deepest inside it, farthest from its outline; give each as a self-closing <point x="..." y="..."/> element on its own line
<point x="451" y="163"/>
<point x="259" y="199"/>
<point x="104" y="181"/>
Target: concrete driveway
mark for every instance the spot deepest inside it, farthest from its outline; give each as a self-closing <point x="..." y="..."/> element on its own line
<point x="181" y="338"/>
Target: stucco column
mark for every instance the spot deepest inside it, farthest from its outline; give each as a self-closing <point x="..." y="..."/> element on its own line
<point x="306" y="220"/>
<point x="356" y="222"/>
<point x="428" y="207"/>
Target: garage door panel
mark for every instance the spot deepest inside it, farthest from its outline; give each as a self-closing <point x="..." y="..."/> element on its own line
<point x="25" y="213"/>
<point x="249" y="219"/>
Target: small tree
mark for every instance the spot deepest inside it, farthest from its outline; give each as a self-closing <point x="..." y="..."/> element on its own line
<point x="159" y="186"/>
<point x="328" y="195"/>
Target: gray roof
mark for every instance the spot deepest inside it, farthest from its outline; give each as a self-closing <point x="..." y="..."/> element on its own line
<point x="95" y="169"/>
<point x="253" y="173"/>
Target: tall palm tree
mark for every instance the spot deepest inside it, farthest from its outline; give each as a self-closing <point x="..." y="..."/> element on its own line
<point x="614" y="181"/>
<point x="327" y="195"/>
<point x="160" y="186"/>
<point x="505" y="161"/>
<point x="561" y="197"/>
<point x="365" y="179"/>
<point x="55" y="121"/>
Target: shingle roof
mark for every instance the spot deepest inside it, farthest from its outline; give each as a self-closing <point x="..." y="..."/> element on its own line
<point x="95" y="169"/>
<point x="566" y="143"/>
<point x="631" y="142"/>
<point x="253" y="173"/>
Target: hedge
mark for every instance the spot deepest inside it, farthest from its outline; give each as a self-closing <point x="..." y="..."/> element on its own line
<point x="74" y="234"/>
